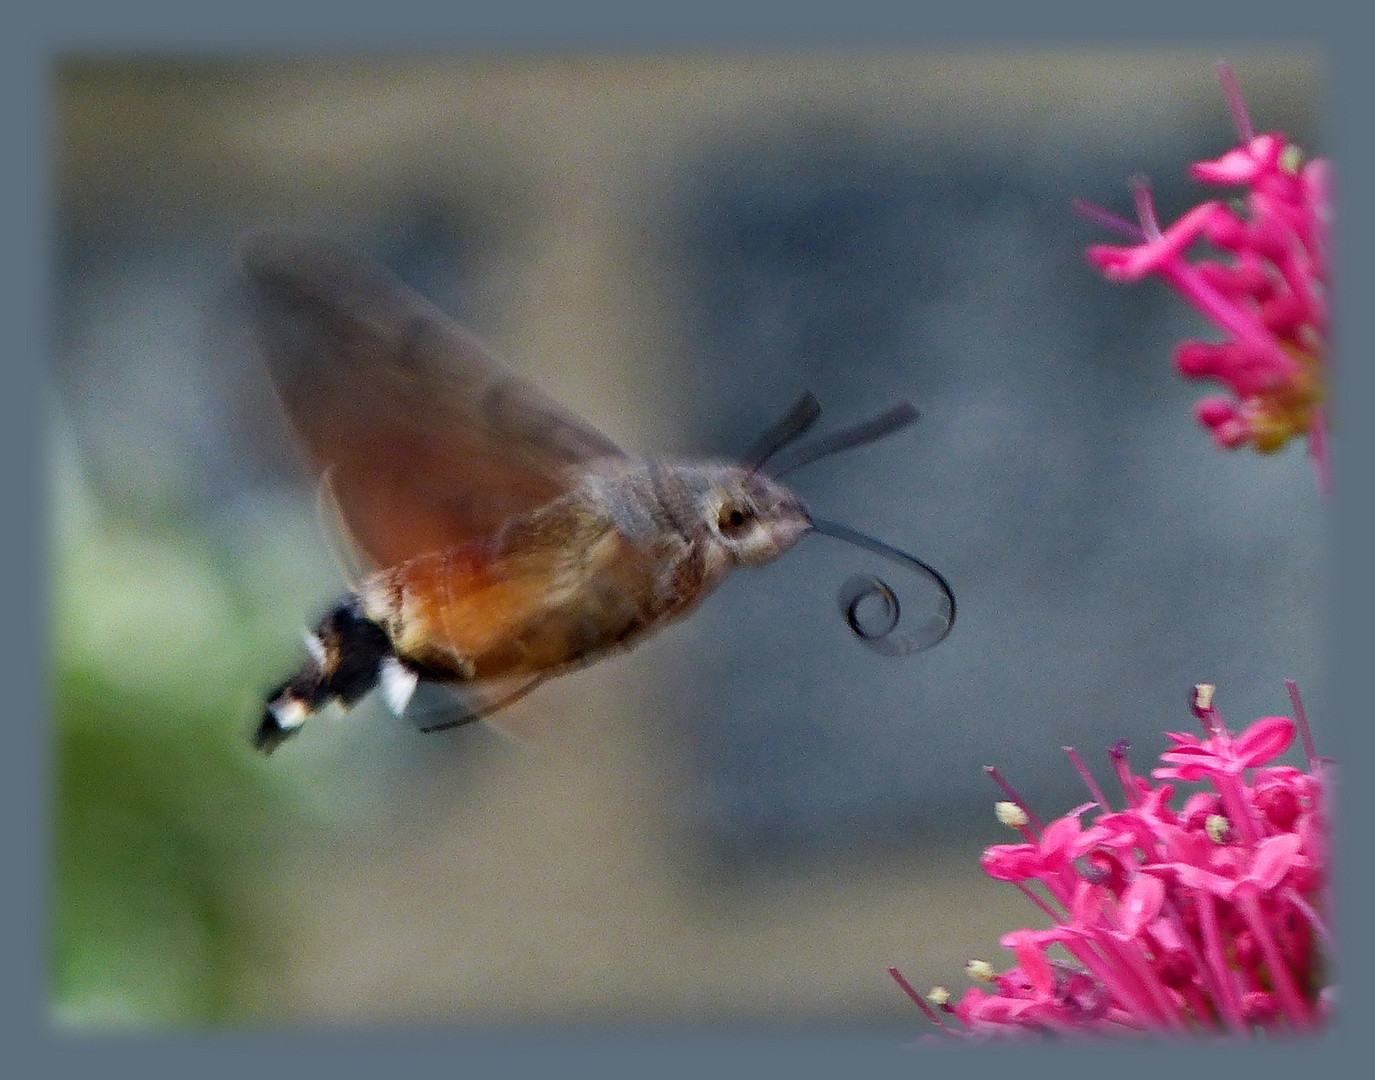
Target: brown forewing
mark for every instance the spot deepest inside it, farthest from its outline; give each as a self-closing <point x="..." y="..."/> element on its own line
<point x="429" y="443"/>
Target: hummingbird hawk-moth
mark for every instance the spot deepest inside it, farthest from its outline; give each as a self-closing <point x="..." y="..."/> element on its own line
<point x="508" y="541"/>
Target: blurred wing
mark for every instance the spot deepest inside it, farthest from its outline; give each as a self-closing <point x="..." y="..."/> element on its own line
<point x="441" y="706"/>
<point x="427" y="440"/>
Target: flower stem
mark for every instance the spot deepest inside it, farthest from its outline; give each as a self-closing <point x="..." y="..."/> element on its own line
<point x="1129" y="954"/>
<point x="1118" y="752"/>
<point x="1296" y="1009"/>
<point x="1227" y="999"/>
<point x="1239" y="811"/>
<point x="1087" y="777"/>
<point x="911" y="992"/>
<point x="1145" y="206"/>
<point x="1226" y="315"/>
<point x="1108" y="220"/>
<point x="1050" y="911"/>
<point x="1314" y="919"/>
<point x="1117" y="978"/>
<point x="1210" y="978"/>
<point x="1301" y="718"/>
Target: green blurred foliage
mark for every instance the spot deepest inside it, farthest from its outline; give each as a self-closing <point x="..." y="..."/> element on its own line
<point x="149" y="830"/>
<point x="164" y="823"/>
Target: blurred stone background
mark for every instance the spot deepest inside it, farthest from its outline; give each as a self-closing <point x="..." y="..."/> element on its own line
<point x="745" y="820"/>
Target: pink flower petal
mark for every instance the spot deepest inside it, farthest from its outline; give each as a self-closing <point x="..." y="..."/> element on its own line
<point x="1193" y="877"/>
<point x="1086" y="907"/>
<point x="1030" y="958"/>
<point x="1317" y="186"/>
<point x="1241" y="165"/>
<point x="1141" y="903"/>
<point x="1264" y="740"/>
<point x="1059" y="836"/>
<point x="999" y="1010"/>
<point x="1134" y="263"/>
<point x="1274" y="857"/>
<point x="1012" y="862"/>
<point x="1214" y="410"/>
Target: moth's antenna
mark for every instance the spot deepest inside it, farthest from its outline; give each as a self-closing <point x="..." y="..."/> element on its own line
<point x="790" y="427"/>
<point x="885" y="423"/>
<point x="860" y="593"/>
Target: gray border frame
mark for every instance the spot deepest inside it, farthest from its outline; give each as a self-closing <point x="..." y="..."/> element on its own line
<point x="278" y="26"/>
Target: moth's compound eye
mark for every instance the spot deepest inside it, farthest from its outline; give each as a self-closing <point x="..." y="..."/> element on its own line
<point x="734" y="518"/>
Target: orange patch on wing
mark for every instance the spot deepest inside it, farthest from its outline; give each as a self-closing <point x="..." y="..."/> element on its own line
<point x="460" y="601"/>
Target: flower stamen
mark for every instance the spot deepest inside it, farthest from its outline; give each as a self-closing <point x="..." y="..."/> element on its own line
<point x="1235" y="103"/>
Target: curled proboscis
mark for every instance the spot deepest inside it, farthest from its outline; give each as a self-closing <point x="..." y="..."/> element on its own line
<point x="871" y="607"/>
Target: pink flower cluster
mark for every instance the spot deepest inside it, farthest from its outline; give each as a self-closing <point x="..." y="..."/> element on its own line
<point x="1205" y="919"/>
<point x="1269" y="294"/>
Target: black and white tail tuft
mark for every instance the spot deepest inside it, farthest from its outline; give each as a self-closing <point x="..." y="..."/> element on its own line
<point x="347" y="654"/>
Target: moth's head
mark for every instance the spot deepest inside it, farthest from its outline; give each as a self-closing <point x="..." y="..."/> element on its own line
<point x="753" y="517"/>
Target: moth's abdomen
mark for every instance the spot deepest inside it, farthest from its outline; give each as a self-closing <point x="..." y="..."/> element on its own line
<point x="347" y="652"/>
